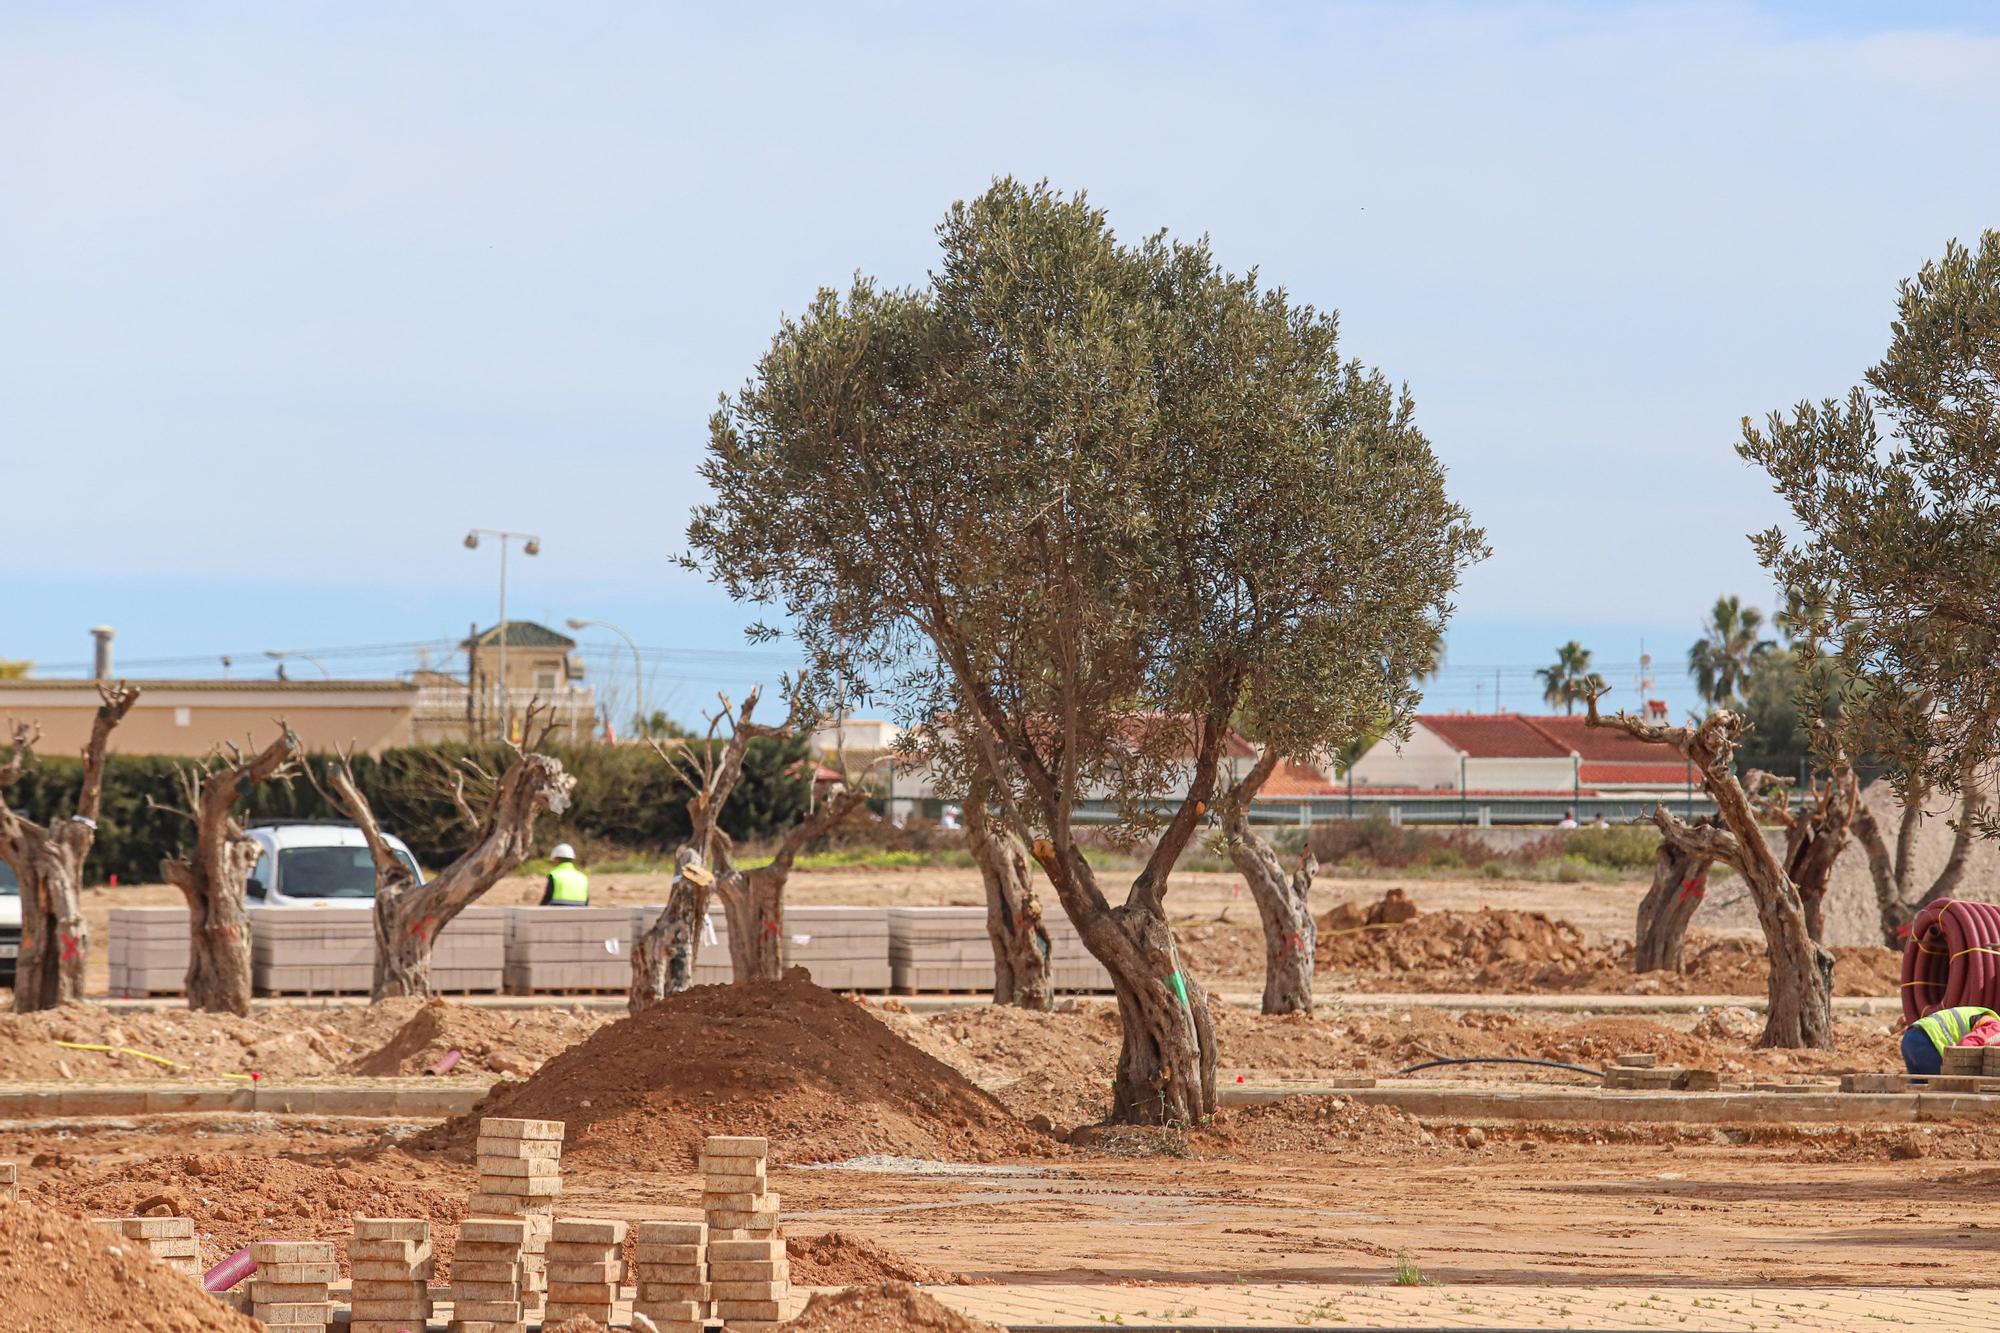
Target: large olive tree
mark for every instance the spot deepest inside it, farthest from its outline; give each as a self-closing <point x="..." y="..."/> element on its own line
<point x="1894" y="495"/>
<point x="1071" y="507"/>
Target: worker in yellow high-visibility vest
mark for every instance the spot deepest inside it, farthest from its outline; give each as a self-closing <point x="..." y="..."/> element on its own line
<point x="567" y="885"/>
<point x="1926" y="1040"/>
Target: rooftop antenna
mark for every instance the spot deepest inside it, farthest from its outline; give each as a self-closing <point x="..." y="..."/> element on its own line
<point x="1645" y="680"/>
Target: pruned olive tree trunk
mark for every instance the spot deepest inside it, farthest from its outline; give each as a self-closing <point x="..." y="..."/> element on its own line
<point x="753" y="901"/>
<point x="47" y="860"/>
<point x="1021" y="949"/>
<point x="1800" y="986"/>
<point x="1898" y="898"/>
<point x="1283" y="900"/>
<point x="663" y="954"/>
<point x="1680" y="878"/>
<point x="1815" y="835"/>
<point x="212" y="877"/>
<point x="409" y="916"/>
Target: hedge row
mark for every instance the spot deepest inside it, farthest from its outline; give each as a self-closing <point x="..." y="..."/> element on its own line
<point x="626" y="799"/>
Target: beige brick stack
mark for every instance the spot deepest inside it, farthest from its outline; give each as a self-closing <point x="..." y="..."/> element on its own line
<point x="520" y="1175"/>
<point x="289" y="1289"/>
<point x="748" y="1275"/>
<point x="586" y="1266"/>
<point x="10" y="1185"/>
<point x="670" y="1275"/>
<point x="486" y="1277"/>
<point x="390" y="1259"/>
<point x="169" y="1239"/>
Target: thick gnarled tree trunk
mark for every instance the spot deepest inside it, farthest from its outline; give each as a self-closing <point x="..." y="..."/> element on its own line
<point x="213" y="877"/>
<point x="408" y="915"/>
<point x="47" y="860"/>
<point x="1020" y="941"/>
<point x="1680" y="878"/>
<point x="1283" y="901"/>
<point x="1800" y="985"/>
<point x="663" y="954"/>
<point x="1814" y="839"/>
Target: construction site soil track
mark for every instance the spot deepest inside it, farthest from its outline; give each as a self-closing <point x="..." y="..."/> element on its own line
<point x="820" y="1075"/>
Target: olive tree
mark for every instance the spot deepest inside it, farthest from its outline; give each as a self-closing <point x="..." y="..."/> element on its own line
<point x="1894" y="495"/>
<point x="1067" y="510"/>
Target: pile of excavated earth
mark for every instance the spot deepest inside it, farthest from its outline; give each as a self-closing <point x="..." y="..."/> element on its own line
<point x="60" y="1274"/>
<point x="816" y="1073"/>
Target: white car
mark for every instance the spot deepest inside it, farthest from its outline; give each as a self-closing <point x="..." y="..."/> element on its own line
<point x="312" y="865"/>
<point x="10" y="923"/>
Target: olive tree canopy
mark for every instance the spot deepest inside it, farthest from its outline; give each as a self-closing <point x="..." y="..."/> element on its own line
<point x="1895" y="495"/>
<point x="1067" y="510"/>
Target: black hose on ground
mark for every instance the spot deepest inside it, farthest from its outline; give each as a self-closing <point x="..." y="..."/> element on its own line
<point x="1502" y="1060"/>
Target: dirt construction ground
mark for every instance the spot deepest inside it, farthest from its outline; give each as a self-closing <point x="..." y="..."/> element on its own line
<point x="959" y="1146"/>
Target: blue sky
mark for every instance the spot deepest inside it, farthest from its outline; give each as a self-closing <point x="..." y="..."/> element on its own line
<point x="296" y="294"/>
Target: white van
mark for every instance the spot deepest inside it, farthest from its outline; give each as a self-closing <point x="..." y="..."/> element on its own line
<point x="313" y="865"/>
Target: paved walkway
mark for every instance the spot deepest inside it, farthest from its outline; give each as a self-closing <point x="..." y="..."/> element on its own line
<point x="1312" y="1306"/>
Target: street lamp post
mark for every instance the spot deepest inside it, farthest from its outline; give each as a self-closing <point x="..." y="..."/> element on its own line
<point x="530" y="545"/>
<point x="638" y="679"/>
<point x="278" y="656"/>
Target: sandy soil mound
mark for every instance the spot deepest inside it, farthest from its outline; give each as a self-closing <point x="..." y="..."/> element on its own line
<point x="62" y="1275"/>
<point x="395" y="1037"/>
<point x="236" y="1199"/>
<point x="1391" y="946"/>
<point x="887" y="1307"/>
<point x="1316" y="1125"/>
<point x="816" y="1073"/>
<point x="836" y="1259"/>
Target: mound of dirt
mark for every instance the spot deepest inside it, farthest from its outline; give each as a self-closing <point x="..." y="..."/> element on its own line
<point x="887" y="1307"/>
<point x="817" y="1074"/>
<point x="1394" y="937"/>
<point x="488" y="1040"/>
<point x="236" y="1199"/>
<point x="1317" y="1124"/>
<point x="836" y="1259"/>
<point x="60" y="1274"/>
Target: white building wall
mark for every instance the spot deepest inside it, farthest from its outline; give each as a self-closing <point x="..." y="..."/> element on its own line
<point x="1424" y="761"/>
<point x="1556" y="773"/>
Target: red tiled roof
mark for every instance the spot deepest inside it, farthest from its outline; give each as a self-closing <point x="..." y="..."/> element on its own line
<point x="1606" y="743"/>
<point x="1624" y="775"/>
<point x="1292" y="778"/>
<point x="1494" y="735"/>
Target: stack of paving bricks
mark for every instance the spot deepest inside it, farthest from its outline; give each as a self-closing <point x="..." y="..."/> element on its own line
<point x="670" y="1275"/>
<point x="520" y="1175"/>
<point x="390" y="1258"/>
<point x="748" y="1275"/>
<point x="168" y="1239"/>
<point x="947" y="949"/>
<point x="711" y="961"/>
<point x="317" y="951"/>
<point x="488" y="1282"/>
<point x="1641" y="1071"/>
<point x="586" y="1266"/>
<point x="289" y="1289"/>
<point x="149" y="951"/>
<point x="569" y="949"/>
<point x="10" y="1185"/>
<point x="845" y="948"/>
<point x="1072" y="967"/>
<point x="471" y="951"/>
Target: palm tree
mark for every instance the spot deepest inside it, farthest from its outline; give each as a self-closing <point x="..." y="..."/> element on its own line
<point x="1570" y="678"/>
<point x="1728" y="650"/>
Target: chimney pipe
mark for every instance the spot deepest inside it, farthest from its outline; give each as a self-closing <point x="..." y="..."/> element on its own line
<point x="104" y="634"/>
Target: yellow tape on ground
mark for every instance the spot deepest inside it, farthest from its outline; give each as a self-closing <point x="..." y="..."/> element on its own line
<point x="121" y="1050"/>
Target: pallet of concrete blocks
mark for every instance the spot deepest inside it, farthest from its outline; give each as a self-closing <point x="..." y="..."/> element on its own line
<point x="749" y="1277"/>
<point x="586" y="1266"/>
<point x="1072" y="967"/>
<point x="148" y="951"/>
<point x="845" y="948"/>
<point x="390" y="1261"/>
<point x="289" y="1289"/>
<point x="488" y="1284"/>
<point x="939" y="949"/>
<point x="10" y="1184"/>
<point x="329" y="950"/>
<point x="520" y="1176"/>
<point x="711" y="961"/>
<point x="471" y="952"/>
<point x="170" y="1240"/>
<point x="569" y="949"/>
<point x="670" y="1275"/>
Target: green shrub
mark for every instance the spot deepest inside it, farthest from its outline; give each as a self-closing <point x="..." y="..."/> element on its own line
<point x="1493" y="870"/>
<point x="1619" y="846"/>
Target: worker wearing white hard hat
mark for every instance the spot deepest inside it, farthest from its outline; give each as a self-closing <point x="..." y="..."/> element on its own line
<point x="567" y="885"/>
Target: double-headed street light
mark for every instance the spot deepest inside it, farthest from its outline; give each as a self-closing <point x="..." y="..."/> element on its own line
<point x="638" y="679"/>
<point x="530" y="545"/>
<point x="279" y="656"/>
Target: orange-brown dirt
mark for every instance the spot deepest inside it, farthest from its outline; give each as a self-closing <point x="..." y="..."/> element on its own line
<point x="59" y="1274"/>
<point x="886" y="1307"/>
<point x="822" y="1077"/>
<point x="236" y="1199"/>
<point x="404" y="1036"/>
<point x="838" y="1259"/>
